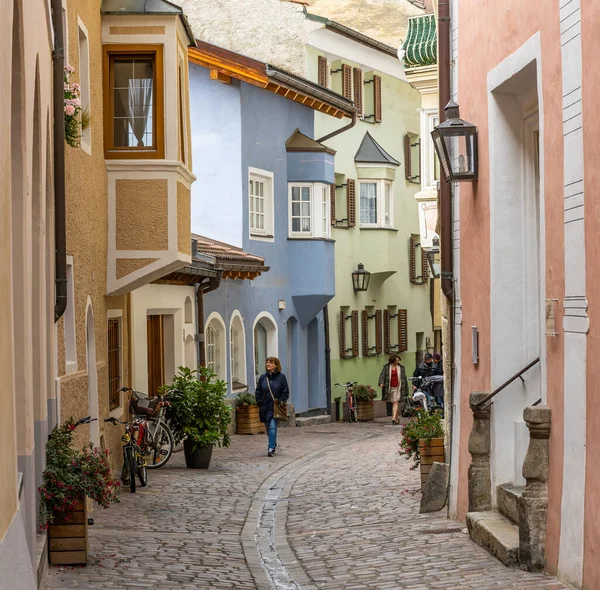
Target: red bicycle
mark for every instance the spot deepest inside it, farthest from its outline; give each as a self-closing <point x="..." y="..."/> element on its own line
<point x="350" y="400"/>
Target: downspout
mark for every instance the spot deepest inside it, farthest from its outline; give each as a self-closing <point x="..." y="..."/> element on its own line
<point x="327" y="359"/>
<point x="60" y="238"/>
<point x="341" y="129"/>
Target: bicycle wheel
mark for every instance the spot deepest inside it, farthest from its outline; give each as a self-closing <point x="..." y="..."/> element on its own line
<point x="353" y="415"/>
<point x="162" y="445"/>
<point x="132" y="468"/>
<point x="142" y="472"/>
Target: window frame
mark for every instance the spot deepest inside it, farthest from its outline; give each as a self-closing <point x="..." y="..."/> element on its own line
<point x="311" y="187"/>
<point x="212" y="348"/>
<point x="380" y="223"/>
<point x="111" y="315"/>
<point x="111" y="52"/>
<point x="320" y="202"/>
<point x="266" y="234"/>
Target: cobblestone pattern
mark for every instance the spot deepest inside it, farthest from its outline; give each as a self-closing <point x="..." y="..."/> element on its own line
<point x="341" y="489"/>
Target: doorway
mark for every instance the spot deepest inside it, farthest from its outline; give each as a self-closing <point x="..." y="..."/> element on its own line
<point x="156" y="353"/>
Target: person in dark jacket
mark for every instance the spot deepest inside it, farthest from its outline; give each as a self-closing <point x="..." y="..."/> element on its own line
<point x="427" y="368"/>
<point x="393" y="383"/>
<point x="271" y="384"/>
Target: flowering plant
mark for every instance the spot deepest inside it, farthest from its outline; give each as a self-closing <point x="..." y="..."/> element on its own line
<point x="422" y="425"/>
<point x="76" y="118"/>
<point x="71" y="475"/>
<point x="364" y="393"/>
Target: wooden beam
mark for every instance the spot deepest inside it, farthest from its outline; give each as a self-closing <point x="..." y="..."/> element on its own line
<point x="220" y="76"/>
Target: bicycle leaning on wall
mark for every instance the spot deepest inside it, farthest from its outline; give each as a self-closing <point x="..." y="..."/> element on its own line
<point x="350" y="400"/>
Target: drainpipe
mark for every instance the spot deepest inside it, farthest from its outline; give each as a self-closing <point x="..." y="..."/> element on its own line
<point x="60" y="238"/>
<point x="327" y="358"/>
<point x="341" y="129"/>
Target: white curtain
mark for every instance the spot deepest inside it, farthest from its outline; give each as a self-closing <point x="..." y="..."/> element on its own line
<point x="368" y="202"/>
<point x="140" y="101"/>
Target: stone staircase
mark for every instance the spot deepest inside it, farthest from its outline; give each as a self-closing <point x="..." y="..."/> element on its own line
<point x="498" y="531"/>
<point x="515" y="532"/>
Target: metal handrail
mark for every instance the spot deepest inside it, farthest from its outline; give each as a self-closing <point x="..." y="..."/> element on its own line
<point x="496" y="391"/>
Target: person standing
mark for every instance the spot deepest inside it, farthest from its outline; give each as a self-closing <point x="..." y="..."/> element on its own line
<point x="272" y="385"/>
<point x="393" y="383"/>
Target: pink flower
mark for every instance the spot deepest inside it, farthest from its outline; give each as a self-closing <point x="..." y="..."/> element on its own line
<point x="70" y="111"/>
<point x="69" y="68"/>
<point x="76" y="87"/>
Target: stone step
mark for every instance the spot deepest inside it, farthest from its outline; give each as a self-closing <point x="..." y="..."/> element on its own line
<point x="507" y="495"/>
<point x="496" y="533"/>
<point x="312" y="420"/>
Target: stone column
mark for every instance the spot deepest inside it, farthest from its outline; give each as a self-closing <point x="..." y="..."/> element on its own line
<point x="480" y="485"/>
<point x="533" y="505"/>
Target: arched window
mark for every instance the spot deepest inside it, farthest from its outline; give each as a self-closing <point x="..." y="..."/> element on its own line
<point x="265" y="341"/>
<point x="214" y="336"/>
<point x="237" y="352"/>
<point x="188" y="315"/>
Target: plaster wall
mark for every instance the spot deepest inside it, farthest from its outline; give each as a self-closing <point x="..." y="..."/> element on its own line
<point x="382" y="251"/>
<point x="519" y="22"/>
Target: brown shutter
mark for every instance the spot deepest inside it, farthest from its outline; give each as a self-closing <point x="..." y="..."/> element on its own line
<point x="407" y="158"/>
<point x="355" y="350"/>
<point x="351" y="195"/>
<point x="365" y="332"/>
<point x="386" y="331"/>
<point x="347" y="81"/>
<point x="424" y="266"/>
<point x="402" y="330"/>
<point x="413" y="261"/>
<point x="332" y="202"/>
<point x="378" y="332"/>
<point x="358" y="90"/>
<point x="342" y="334"/>
<point x="323" y="67"/>
<point x="377" y="98"/>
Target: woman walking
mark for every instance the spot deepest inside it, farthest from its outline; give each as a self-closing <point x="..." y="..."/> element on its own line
<point x="272" y="385"/>
<point x="394" y="384"/>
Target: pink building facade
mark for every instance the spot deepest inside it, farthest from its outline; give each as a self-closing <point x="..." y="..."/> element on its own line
<point x="527" y="283"/>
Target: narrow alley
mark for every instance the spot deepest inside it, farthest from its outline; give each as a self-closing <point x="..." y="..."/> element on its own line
<point x="335" y="508"/>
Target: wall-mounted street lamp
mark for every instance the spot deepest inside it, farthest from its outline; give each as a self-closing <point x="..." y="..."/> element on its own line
<point x="361" y="278"/>
<point x="455" y="143"/>
<point x="433" y="259"/>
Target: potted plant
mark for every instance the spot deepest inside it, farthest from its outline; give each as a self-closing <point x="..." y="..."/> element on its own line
<point x="364" y="395"/>
<point x="423" y="441"/>
<point x="70" y="476"/>
<point x="199" y="414"/>
<point x="246" y="414"/>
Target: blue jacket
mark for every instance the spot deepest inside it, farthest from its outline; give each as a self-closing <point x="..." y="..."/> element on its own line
<point x="280" y="389"/>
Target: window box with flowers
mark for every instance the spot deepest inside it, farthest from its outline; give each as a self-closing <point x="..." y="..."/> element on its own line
<point x="76" y="118"/>
<point x="365" y="396"/>
<point x="70" y="477"/>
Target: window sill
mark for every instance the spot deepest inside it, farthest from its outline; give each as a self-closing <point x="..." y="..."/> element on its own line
<point x="362" y="228"/>
<point x="262" y="237"/>
<point x="308" y="239"/>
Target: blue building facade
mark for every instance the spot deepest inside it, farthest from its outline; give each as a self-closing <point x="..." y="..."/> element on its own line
<point x="271" y="199"/>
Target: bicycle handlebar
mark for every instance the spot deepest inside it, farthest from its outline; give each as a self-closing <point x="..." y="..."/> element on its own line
<point x="85" y="420"/>
<point x="349" y="384"/>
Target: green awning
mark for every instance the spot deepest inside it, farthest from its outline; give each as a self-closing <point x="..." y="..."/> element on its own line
<point x="420" y="47"/>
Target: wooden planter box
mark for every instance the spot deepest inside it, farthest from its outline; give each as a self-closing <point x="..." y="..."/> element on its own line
<point x="248" y="421"/>
<point x="68" y="538"/>
<point x="366" y="411"/>
<point x="429" y="453"/>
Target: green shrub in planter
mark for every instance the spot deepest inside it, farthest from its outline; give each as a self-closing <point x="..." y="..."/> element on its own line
<point x="243" y="399"/>
<point x="422" y="425"/>
<point x="198" y="410"/>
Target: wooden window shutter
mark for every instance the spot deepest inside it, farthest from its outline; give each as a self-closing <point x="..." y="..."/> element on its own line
<point x="347" y="81"/>
<point x="358" y="90"/>
<point x="407" y="158"/>
<point x="323" y="66"/>
<point x="355" y="351"/>
<point x="365" y="333"/>
<point x="402" y="330"/>
<point x="377" y="98"/>
<point x="413" y="261"/>
<point x="378" y="332"/>
<point x="424" y="266"/>
<point x="351" y="195"/>
<point x="342" y="334"/>
<point x="332" y="202"/>
<point x="386" y="331"/>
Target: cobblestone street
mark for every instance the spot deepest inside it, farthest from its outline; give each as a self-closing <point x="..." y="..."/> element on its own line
<point x="336" y="508"/>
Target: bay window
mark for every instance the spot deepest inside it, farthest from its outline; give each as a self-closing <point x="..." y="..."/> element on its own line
<point x="309" y="211"/>
<point x="376" y="200"/>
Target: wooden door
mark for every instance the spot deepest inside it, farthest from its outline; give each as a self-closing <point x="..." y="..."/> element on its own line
<point x="156" y="354"/>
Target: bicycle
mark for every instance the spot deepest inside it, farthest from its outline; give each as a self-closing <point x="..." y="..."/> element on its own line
<point x="350" y="400"/>
<point x="134" y="457"/>
<point x="153" y="410"/>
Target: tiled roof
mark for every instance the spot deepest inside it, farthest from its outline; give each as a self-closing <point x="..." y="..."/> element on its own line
<point x="228" y="256"/>
<point x="370" y="152"/>
<point x="420" y="46"/>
